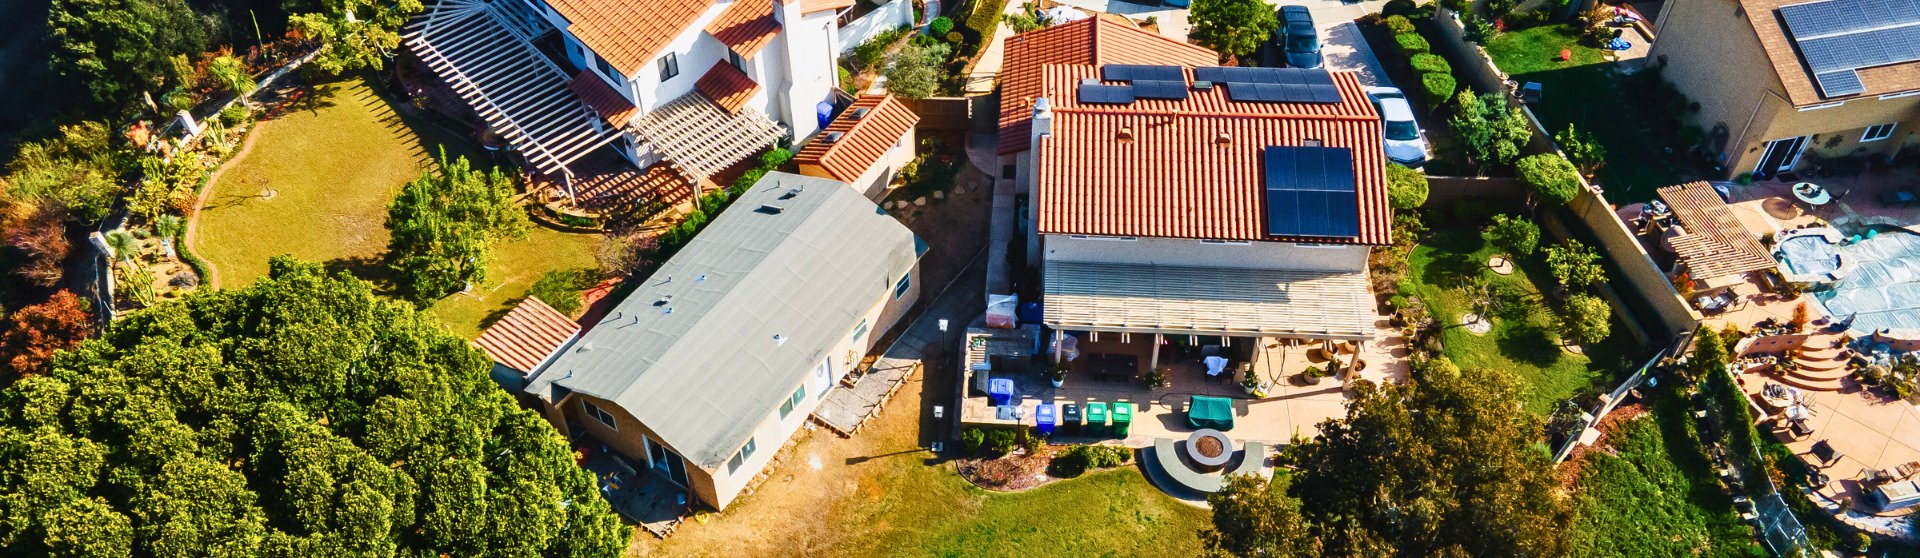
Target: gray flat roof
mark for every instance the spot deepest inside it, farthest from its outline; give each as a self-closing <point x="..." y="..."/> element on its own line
<point x="796" y="257"/>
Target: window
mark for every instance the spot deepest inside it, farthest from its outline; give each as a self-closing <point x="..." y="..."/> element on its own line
<point x="1877" y="133"/>
<point x="900" y="289"/>
<point x="860" y="331"/>
<point x="793" y="401"/>
<point x="607" y="70"/>
<point x="746" y="451"/>
<point x="599" y="415"/>
<point x="738" y="62"/>
<point x="669" y="67"/>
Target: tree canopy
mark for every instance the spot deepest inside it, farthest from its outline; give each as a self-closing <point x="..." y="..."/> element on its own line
<point x="1514" y="235"/>
<point x="1551" y="176"/>
<point x="1586" y="318"/>
<point x="300" y="416"/>
<point x="79" y="170"/>
<point x="915" y="72"/>
<point x="1444" y="465"/>
<point x="34" y="333"/>
<point x="1493" y="133"/>
<point x="1232" y="27"/>
<point x="444" y="225"/>
<point x="119" y="48"/>
<point x="353" y="34"/>
<point x="1406" y="188"/>
<point x="1576" y="266"/>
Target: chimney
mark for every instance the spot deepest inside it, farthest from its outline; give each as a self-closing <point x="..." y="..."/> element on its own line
<point x="1042" y="119"/>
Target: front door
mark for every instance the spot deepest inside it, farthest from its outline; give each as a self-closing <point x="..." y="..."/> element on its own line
<point x="666" y="462"/>
<point x="1781" y="156"/>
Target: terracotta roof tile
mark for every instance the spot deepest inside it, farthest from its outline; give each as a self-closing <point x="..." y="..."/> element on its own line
<point x="811" y="6"/>
<point x="863" y="140"/>
<point x="1175" y="178"/>
<point x="727" y="86"/>
<point x="629" y="33"/>
<point x="1715" y="243"/>
<point x="746" y="27"/>
<point x="1780" y="49"/>
<point x="527" y="335"/>
<point x="609" y="104"/>
<point x="1088" y="41"/>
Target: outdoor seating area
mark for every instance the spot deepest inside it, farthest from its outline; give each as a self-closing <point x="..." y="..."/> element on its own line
<point x="1189" y="472"/>
<point x="637" y="494"/>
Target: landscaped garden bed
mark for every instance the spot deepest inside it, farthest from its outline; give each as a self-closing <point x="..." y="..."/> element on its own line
<point x="1016" y="459"/>
<point x="1647" y="490"/>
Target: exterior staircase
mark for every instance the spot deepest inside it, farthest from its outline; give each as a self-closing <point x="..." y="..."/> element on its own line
<point x="1823" y="369"/>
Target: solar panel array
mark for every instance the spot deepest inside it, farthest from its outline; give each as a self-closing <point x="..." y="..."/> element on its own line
<point x="1272" y="85"/>
<point x="1839" y="37"/>
<point x="1096" y="93"/>
<point x="1311" y="191"/>
<point x="1160" y="89"/>
<point x="1136" y="72"/>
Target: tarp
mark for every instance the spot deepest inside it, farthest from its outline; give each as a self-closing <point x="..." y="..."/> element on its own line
<point x="1211" y="412"/>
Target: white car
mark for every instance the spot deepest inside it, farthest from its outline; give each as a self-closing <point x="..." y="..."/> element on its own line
<point x="1406" y="143"/>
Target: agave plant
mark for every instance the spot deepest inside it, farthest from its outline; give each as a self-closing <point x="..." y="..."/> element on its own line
<point x="168" y="227"/>
<point x="124" y="245"/>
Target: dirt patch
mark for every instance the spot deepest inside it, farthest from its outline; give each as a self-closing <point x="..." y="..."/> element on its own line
<point x="1012" y="473"/>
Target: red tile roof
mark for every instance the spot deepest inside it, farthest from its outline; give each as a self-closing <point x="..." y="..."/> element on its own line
<point x="863" y="141"/>
<point x="1176" y="178"/>
<point x="527" y="335"/>
<point x="1090" y="41"/>
<point x="629" y="33"/>
<point x="746" y="27"/>
<point x="727" y="86"/>
<point x="609" y="104"/>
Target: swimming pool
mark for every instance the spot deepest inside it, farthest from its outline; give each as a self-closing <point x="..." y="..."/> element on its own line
<point x="1810" y="255"/>
<point x="1881" y="288"/>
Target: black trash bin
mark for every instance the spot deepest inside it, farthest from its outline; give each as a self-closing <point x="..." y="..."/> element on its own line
<point x="1070" y="419"/>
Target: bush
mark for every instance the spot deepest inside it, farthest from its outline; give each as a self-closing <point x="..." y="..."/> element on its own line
<point x="874" y="50"/>
<point x="940" y="26"/>
<point x="1551" y="176"/>
<point x="1406" y="188"/>
<point x="1431" y="63"/>
<point x="560" y="288"/>
<point x="1079" y="459"/>
<point x="1438" y="86"/>
<point x="234" y="115"/>
<point x="1399" y="25"/>
<point x="1478" y="29"/>
<point x="973" y="439"/>
<point x="1400" y="8"/>
<point x="1412" y="43"/>
<point x="1000" y="442"/>
<point x="775" y="157"/>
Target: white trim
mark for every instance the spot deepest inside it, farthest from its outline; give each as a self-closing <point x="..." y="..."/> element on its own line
<point x="1820" y="106"/>
<point x="1900" y="94"/>
<point x="1095" y="237"/>
<point x="1227" y="242"/>
<point x="1887" y="132"/>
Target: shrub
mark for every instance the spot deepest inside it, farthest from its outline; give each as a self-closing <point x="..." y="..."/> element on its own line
<point x="775" y="157"/>
<point x="1438" y="86"/>
<point x="234" y="115"/>
<point x="560" y="288"/>
<point x="1081" y="458"/>
<point x="1000" y="442"/>
<point x="940" y="26"/>
<point x="1551" y="176"/>
<point x="1478" y="29"/>
<point x="1399" y="25"/>
<point x="1399" y="7"/>
<point x="874" y="50"/>
<point x="1406" y="188"/>
<point x="1412" y="43"/>
<point x="973" y="439"/>
<point x="1431" y="63"/>
<point x="1030" y="441"/>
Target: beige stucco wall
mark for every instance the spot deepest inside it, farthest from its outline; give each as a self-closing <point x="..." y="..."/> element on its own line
<point x="1713" y="57"/>
<point x="717" y="487"/>
<point x="1195" y="253"/>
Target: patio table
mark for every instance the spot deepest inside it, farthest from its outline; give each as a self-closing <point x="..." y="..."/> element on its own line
<point x="1210" y="412"/>
<point x="1811" y="193"/>
<point x="1097" y="418"/>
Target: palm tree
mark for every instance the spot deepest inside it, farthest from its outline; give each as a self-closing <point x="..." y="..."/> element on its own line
<point x="167" y="227"/>
<point x="232" y="74"/>
<point x="124" y="245"/>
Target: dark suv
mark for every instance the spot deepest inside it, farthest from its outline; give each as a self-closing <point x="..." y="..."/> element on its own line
<point x="1297" y="38"/>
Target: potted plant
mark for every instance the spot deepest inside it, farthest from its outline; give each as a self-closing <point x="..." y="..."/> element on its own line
<point x="1059" y="373"/>
<point x="1251" y="382"/>
<point x="1313" y="374"/>
<point x="1156" y="379"/>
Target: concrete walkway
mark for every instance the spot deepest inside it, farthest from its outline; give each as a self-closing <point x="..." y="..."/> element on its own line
<point x="845" y="409"/>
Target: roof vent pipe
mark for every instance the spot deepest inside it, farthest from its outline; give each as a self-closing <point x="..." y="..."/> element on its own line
<point x="1223" y="139"/>
<point x="1126" y="133"/>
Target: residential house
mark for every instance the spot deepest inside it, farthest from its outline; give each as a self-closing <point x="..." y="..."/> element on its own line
<point x="1781" y="83"/>
<point x="1173" y="202"/>
<point x="706" y="369"/>
<point x="698" y="84"/>
<point x="866" y="146"/>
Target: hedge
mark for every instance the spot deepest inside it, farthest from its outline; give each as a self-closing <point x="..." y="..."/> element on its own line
<point x="1412" y="44"/>
<point x="1399" y="25"/>
<point x="1439" y="87"/>
<point x="1430" y="62"/>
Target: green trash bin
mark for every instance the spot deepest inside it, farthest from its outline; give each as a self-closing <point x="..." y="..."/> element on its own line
<point x="1097" y="419"/>
<point x="1122" y="419"/>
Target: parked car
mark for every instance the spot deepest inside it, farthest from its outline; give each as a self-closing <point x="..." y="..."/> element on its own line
<point x="1298" y="38"/>
<point x="1406" y="143"/>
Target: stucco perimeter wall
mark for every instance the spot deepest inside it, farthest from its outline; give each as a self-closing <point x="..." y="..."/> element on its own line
<point x="889" y="16"/>
<point x="1618" y="244"/>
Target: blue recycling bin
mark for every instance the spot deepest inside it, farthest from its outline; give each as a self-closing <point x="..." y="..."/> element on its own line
<point x="1000" y="391"/>
<point x="1043" y="419"/>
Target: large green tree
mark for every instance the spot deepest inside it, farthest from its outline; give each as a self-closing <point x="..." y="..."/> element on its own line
<point x="1232" y="27"/>
<point x="1443" y="465"/>
<point x="353" y="34"/>
<point x="444" y="225"/>
<point x="300" y="416"/>
<point x="916" y="72"/>
<point x="1492" y="133"/>
<point x="119" y="48"/>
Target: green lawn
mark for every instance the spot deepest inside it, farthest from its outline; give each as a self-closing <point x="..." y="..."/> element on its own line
<point x="1113" y="513"/>
<point x="1657" y="496"/>
<point x="332" y="166"/>
<point x="1588" y="93"/>
<point x="1523" y="338"/>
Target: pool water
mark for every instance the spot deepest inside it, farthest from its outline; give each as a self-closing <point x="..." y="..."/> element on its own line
<point x="1881" y="289"/>
<point x="1810" y="255"/>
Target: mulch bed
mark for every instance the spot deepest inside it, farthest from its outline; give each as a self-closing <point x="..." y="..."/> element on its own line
<point x="1208" y="446"/>
<point x="1013" y="472"/>
<point x="1570" y="470"/>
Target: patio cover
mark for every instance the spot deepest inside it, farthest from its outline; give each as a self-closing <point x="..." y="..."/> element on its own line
<point x="1144" y="298"/>
<point x="1210" y="412"/>
<point x="701" y="138"/>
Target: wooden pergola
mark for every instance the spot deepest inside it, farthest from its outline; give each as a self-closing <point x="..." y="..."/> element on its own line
<point x="700" y="138"/>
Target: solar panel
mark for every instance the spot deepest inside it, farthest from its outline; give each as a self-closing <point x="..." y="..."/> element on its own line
<point x="1097" y="94"/>
<point x="1311" y="191"/>
<point x="1158" y="89"/>
<point x="1838" y="37"/>
<point x="1272" y="85"/>
<point x="1137" y="72"/>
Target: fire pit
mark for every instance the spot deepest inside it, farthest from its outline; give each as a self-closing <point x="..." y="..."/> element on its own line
<point x="1209" y="449"/>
